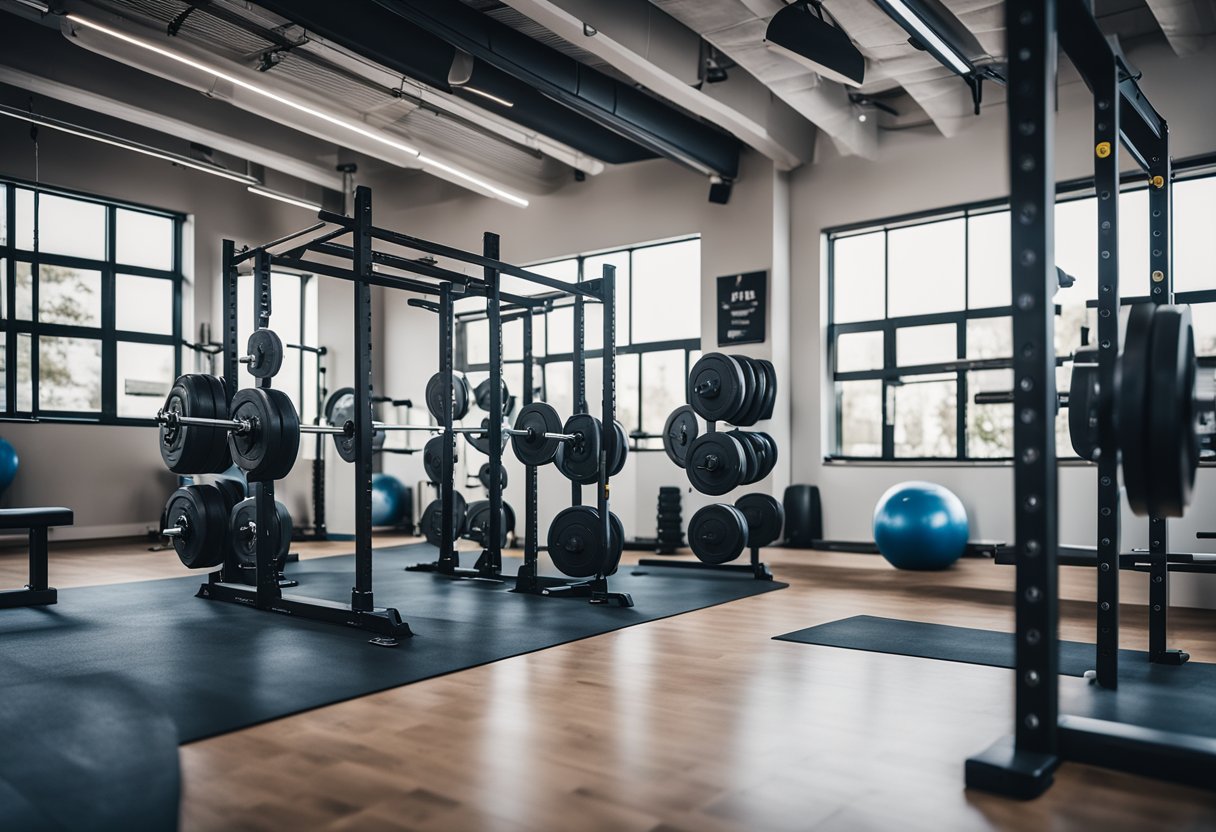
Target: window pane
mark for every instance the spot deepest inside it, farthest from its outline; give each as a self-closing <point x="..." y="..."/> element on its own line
<point x="925" y="419"/>
<point x="3" y="215"/>
<point x="539" y="322"/>
<point x="858" y="273"/>
<point x="560" y="326"/>
<point x="25" y="384"/>
<point x="1133" y="242"/>
<point x="858" y="351"/>
<point x="23" y="234"/>
<point x="627" y="379"/>
<point x="990" y="338"/>
<point x="566" y="270"/>
<point x="145" y="374"/>
<point x="3" y="297"/>
<point x="143" y="304"/>
<point x="663" y="387"/>
<point x="71" y="226"/>
<point x="860" y="410"/>
<point x="559" y="387"/>
<point x="1076" y="242"/>
<point x="593" y="268"/>
<point x="23" y="274"/>
<point x="69" y="296"/>
<point x="1194" y="242"/>
<point x="143" y="239"/>
<point x="988" y="260"/>
<point x="926" y="268"/>
<point x="1203" y="316"/>
<point x="1063" y="442"/>
<point x="989" y="426"/>
<point x="667" y="280"/>
<point x="69" y="373"/>
<point x="476" y="342"/>
<point x="926" y="344"/>
<point x="512" y="340"/>
<point x="593" y="317"/>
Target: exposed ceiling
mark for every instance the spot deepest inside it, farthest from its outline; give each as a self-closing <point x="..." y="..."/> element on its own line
<point x="511" y="98"/>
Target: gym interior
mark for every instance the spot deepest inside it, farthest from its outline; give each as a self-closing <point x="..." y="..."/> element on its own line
<point x="646" y="415"/>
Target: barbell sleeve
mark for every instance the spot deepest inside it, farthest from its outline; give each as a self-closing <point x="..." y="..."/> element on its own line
<point x="1006" y="397"/>
<point x="174" y="531"/>
<point x="238" y="425"/>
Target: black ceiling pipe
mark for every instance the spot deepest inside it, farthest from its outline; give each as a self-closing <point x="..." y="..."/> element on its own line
<point x="621" y="107"/>
<point x="384" y="37"/>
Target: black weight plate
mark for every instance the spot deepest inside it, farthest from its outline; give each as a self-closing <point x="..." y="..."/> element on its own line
<point x="218" y="459"/>
<point x="759" y="395"/>
<point x="432" y="519"/>
<point x="268" y="451"/>
<point x="340" y="409"/>
<point x="749" y="390"/>
<point x="1083" y="404"/>
<point x="242" y="524"/>
<point x="617" y="530"/>
<point x="481" y="395"/>
<point x="717" y="533"/>
<point x="432" y="458"/>
<point x="1132" y="405"/>
<point x="508" y="517"/>
<point x="575" y="544"/>
<point x="751" y="459"/>
<point x="477" y="524"/>
<point x="579" y="459"/>
<point x="266" y="348"/>
<point x="460" y="396"/>
<point x="232" y="489"/>
<point x="770" y="396"/>
<point x="198" y="510"/>
<point x="715" y="387"/>
<point x="481" y="441"/>
<point x="531" y="447"/>
<point x="765" y="516"/>
<point x="770" y="459"/>
<point x="483" y="475"/>
<point x="715" y="463"/>
<point x="764" y="455"/>
<point x="679" y="432"/>
<point x="1173" y="442"/>
<point x="617" y="450"/>
<point x="184" y="448"/>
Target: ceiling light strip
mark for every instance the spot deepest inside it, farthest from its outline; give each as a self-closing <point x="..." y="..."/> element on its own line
<point x="126" y="144"/>
<point x="931" y="39"/>
<point x="374" y="135"/>
<point x="290" y="200"/>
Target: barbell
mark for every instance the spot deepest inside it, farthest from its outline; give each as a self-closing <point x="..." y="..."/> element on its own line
<point x="1152" y="408"/>
<point x="261" y="431"/>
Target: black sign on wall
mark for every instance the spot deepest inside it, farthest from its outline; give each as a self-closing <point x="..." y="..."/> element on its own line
<point x="742" y="302"/>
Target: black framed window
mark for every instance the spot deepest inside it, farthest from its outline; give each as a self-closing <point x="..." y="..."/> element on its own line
<point x="919" y="316"/>
<point x="90" y="306"/>
<point x="658" y="334"/>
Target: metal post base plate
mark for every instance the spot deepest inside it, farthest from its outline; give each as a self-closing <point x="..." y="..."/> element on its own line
<point x="1002" y="769"/>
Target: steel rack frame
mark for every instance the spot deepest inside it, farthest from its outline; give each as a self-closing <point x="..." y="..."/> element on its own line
<point x="1023" y="765"/>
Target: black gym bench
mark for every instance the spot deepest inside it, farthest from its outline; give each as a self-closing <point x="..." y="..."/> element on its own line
<point x="37" y="592"/>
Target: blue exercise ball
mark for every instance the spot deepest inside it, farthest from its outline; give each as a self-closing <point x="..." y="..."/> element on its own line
<point x="8" y="464"/>
<point x="389" y="497"/>
<point x="920" y="525"/>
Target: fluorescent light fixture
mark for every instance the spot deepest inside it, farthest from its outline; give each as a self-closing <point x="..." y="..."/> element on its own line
<point x="916" y="26"/>
<point x="36" y="5"/>
<point x="290" y="200"/>
<point x="374" y="135"/>
<point x="459" y="174"/>
<point x="496" y="99"/>
<point x="125" y="144"/>
<point x="806" y="36"/>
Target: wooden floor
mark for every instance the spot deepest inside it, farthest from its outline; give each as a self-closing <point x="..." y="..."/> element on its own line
<point x="696" y="723"/>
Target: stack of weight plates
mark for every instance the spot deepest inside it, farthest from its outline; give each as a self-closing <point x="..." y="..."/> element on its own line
<point x="670" y="521"/>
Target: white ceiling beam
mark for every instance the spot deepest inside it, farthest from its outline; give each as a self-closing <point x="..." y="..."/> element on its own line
<point x="1189" y="25"/>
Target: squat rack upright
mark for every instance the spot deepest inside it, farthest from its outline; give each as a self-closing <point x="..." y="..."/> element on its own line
<point x="1023" y="766"/>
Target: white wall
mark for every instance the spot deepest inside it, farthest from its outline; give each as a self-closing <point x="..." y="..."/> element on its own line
<point x="632" y="204"/>
<point x="919" y="170"/>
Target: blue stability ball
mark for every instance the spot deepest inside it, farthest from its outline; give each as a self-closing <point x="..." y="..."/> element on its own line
<point x="8" y="464"/>
<point x="388" y="500"/>
<point x="920" y="525"/>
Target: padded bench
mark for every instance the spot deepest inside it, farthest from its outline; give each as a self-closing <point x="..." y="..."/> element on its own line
<point x="37" y="520"/>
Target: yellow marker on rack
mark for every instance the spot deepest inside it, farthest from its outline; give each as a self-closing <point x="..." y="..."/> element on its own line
<point x="1158" y="181"/>
<point x="1103" y="149"/>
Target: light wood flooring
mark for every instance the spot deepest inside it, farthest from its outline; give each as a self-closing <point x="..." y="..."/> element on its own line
<point x="696" y="723"/>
